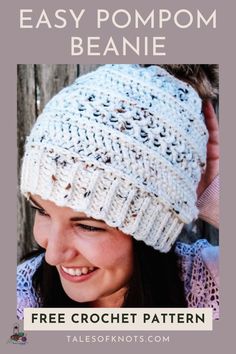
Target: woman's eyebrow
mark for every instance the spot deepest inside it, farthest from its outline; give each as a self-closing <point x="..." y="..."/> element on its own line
<point x="34" y="202"/>
<point x="80" y="218"/>
<point x="75" y="218"/>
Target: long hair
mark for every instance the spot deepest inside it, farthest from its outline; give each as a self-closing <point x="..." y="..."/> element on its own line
<point x="155" y="281"/>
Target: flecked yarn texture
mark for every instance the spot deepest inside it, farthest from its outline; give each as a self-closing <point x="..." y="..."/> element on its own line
<point x="124" y="144"/>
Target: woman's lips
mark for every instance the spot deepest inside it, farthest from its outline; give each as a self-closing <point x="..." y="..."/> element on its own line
<point x="76" y="278"/>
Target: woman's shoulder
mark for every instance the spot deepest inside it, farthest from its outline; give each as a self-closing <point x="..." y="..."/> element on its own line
<point x="26" y="294"/>
<point x="200" y="251"/>
<point x="184" y="249"/>
<point x="199" y="270"/>
<point x="26" y="269"/>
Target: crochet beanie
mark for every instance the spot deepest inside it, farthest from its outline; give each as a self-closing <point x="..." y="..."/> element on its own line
<point x="124" y="144"/>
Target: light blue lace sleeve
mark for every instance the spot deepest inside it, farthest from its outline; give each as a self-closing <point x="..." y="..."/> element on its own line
<point x="198" y="272"/>
<point x="26" y="295"/>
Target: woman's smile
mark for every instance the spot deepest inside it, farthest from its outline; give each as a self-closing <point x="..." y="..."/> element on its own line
<point x="77" y="274"/>
<point x="78" y="270"/>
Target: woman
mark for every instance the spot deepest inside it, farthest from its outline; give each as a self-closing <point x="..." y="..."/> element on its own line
<point x="112" y="167"/>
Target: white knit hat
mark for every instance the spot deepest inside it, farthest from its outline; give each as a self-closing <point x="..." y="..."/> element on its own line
<point x="124" y="144"/>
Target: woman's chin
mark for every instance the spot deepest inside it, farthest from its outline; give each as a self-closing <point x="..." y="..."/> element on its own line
<point x="79" y="296"/>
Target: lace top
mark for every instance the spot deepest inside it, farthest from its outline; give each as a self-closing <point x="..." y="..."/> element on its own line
<point x="198" y="270"/>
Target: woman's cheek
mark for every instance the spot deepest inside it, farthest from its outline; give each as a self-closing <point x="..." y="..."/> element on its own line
<point x="106" y="251"/>
<point x="96" y="250"/>
<point x="40" y="231"/>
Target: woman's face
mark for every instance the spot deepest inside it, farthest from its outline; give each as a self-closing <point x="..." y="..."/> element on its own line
<point x="94" y="260"/>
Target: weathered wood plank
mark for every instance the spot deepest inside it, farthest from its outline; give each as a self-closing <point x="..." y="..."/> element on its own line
<point x="35" y="86"/>
<point x="26" y="115"/>
<point x="51" y="79"/>
<point x="84" y="68"/>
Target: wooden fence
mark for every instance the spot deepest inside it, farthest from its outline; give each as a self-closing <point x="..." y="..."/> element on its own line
<point x="36" y="84"/>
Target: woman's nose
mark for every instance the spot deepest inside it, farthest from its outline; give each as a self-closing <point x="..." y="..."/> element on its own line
<point x="59" y="248"/>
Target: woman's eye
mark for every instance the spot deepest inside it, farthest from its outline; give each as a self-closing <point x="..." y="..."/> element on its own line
<point x="39" y="211"/>
<point x="89" y="228"/>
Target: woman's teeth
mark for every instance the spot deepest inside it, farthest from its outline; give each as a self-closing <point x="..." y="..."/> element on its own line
<point x="78" y="271"/>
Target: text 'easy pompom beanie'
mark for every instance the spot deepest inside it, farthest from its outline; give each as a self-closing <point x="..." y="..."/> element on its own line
<point x="124" y="144"/>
